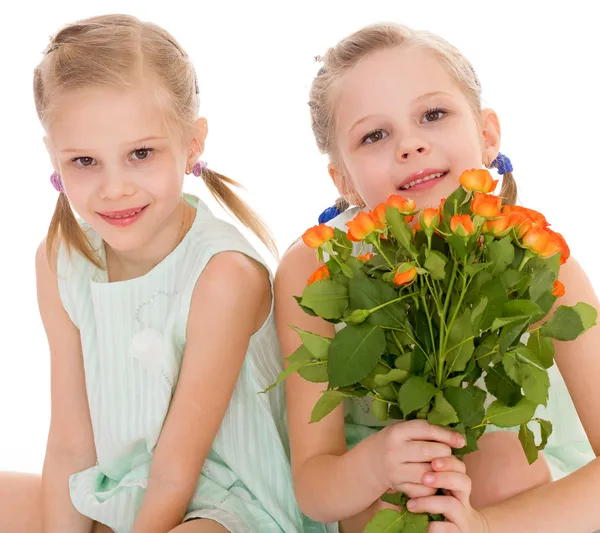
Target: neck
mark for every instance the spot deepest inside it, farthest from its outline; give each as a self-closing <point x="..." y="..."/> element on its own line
<point x="123" y="266"/>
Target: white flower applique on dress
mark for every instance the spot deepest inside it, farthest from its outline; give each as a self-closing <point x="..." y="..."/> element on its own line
<point x="147" y="345"/>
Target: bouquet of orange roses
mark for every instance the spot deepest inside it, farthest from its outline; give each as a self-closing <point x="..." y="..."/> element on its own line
<point x="434" y="311"/>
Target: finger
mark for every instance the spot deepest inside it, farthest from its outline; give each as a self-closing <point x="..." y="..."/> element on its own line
<point x="448" y="464"/>
<point x="409" y="472"/>
<point x="458" y="484"/>
<point x="450" y="507"/>
<point x="423" y="430"/>
<point x="415" y="490"/>
<point x="424" y="452"/>
<point x="442" y="527"/>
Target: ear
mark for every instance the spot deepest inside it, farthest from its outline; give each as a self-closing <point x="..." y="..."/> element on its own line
<point x="491" y="133"/>
<point x="344" y="185"/>
<point x="197" y="148"/>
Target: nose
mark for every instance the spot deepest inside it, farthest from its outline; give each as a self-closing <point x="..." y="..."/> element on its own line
<point x="115" y="184"/>
<point x="410" y="147"/>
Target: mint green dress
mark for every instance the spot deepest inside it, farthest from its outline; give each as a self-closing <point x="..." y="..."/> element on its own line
<point x="133" y="335"/>
<point x="568" y="448"/>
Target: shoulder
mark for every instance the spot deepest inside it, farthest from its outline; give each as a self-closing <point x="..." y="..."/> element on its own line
<point x="296" y="266"/>
<point x="577" y="283"/>
<point x="232" y="277"/>
<point x="46" y="263"/>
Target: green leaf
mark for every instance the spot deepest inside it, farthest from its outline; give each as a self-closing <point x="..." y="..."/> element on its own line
<point x="472" y="436"/>
<point x="386" y="521"/>
<point x="404" y="361"/>
<point x="353" y="353"/>
<point x="370" y="293"/>
<point x="478" y="281"/>
<point x="468" y="403"/>
<point x="303" y="307"/>
<point x="473" y="268"/>
<point x="455" y="204"/>
<point x="545" y="431"/>
<point x="503" y="416"/>
<point x="587" y="313"/>
<point x="510" y="333"/>
<point x="499" y="384"/>
<point x="485" y="353"/>
<point x="535" y="383"/>
<point x="542" y="283"/>
<point x="460" y="343"/>
<point x="414" y="394"/>
<point x="395" y="374"/>
<point x="436" y="264"/>
<point x="417" y="361"/>
<point x="496" y="300"/>
<point x="501" y="253"/>
<point x="415" y="523"/>
<point x="347" y="271"/>
<point x="380" y="409"/>
<point x="327" y="298"/>
<point x="442" y="414"/>
<point x="528" y="442"/>
<point x="329" y="401"/>
<point x="395" y="498"/>
<point x="542" y="348"/>
<point x="458" y="244"/>
<point x="295" y="361"/>
<point x="516" y="311"/>
<point x="564" y="325"/>
<point x="400" y="229"/>
<point x="342" y="244"/>
<point x="318" y="346"/>
<point x="316" y="372"/>
<point x="477" y="315"/>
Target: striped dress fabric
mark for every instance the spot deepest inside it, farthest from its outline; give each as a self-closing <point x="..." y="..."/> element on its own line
<point x="133" y="335"/>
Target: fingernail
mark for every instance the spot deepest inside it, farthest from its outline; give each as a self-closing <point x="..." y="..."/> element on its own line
<point x="461" y="442"/>
<point x="438" y="463"/>
<point x="428" y="478"/>
<point x="411" y="505"/>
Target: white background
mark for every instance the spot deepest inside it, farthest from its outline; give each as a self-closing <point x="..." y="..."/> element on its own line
<point x="538" y="63"/>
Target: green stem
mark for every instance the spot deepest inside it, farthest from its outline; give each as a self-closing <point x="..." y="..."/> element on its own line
<point x="526" y="257"/>
<point x="376" y="243"/>
<point x="390" y="303"/>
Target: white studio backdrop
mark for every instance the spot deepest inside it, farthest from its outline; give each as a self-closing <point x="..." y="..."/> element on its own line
<point x="537" y="62"/>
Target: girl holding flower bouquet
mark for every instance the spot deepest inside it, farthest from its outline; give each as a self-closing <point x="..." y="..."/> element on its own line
<point x="399" y="114"/>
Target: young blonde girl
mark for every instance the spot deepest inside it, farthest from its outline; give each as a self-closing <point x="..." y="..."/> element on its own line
<point x="158" y="314"/>
<point x="399" y="112"/>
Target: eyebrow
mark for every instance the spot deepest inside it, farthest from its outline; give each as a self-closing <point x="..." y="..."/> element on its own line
<point x="133" y="143"/>
<point x="422" y="97"/>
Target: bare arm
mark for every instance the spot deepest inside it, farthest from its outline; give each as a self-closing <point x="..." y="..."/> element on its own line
<point x="570" y="504"/>
<point x="331" y="483"/>
<point x="231" y="300"/>
<point x="70" y="447"/>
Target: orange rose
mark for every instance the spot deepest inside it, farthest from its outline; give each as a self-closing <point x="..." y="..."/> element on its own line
<point x="362" y="225"/>
<point x="430" y="218"/>
<point x="486" y="205"/>
<point x="498" y="227"/>
<point x="563" y="247"/>
<point x="535" y="217"/>
<point x="479" y="180"/>
<point x="317" y="235"/>
<point x="462" y="225"/>
<point x="365" y="257"/>
<point x="319" y="275"/>
<point x="405" y="275"/>
<point x="536" y="240"/>
<point x="559" y="289"/>
<point x="521" y="222"/>
<point x="402" y="204"/>
<point x="379" y="214"/>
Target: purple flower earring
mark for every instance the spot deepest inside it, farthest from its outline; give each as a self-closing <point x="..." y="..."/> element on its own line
<point x="56" y="181"/>
<point x="197" y="169"/>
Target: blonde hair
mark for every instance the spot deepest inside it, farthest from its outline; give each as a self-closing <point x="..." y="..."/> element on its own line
<point x="120" y="50"/>
<point x="349" y="51"/>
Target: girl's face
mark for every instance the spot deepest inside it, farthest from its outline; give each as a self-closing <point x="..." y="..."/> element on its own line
<point x="121" y="170"/>
<point x="403" y="126"/>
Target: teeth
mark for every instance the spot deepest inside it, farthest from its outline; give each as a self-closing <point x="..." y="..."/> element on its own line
<point x="422" y="180"/>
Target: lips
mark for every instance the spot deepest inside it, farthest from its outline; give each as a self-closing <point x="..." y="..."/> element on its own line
<point x="124" y="217"/>
<point x="124" y="213"/>
<point x="421" y="177"/>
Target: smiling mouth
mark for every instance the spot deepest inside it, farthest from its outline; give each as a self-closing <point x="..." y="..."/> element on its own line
<point x="424" y="179"/>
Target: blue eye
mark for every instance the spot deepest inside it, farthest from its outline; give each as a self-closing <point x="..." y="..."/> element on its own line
<point x="374" y="136"/>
